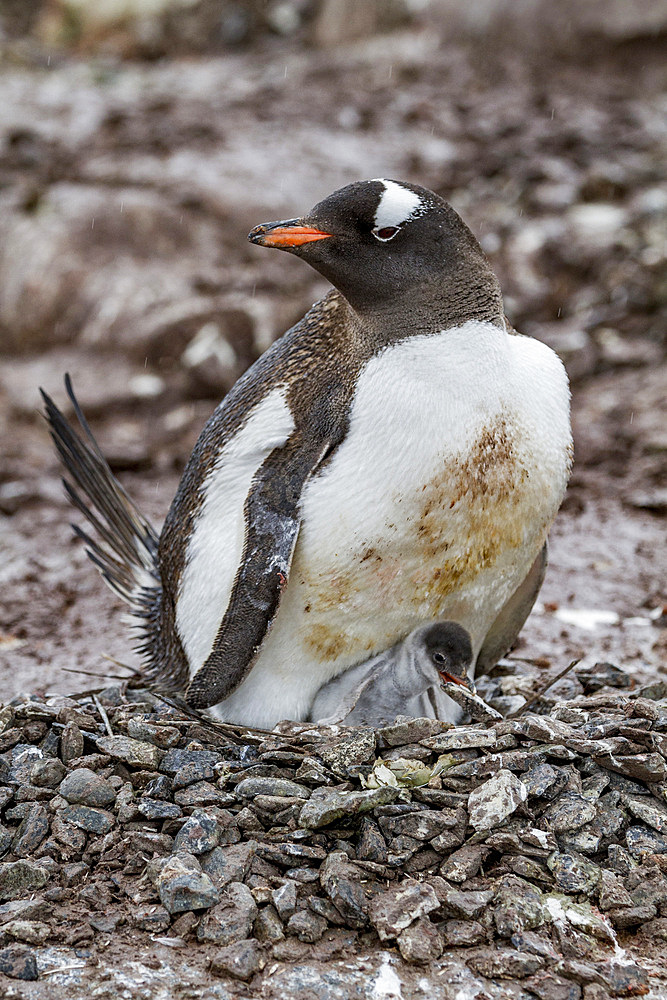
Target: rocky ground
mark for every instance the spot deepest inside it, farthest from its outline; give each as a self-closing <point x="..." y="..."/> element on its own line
<point x="151" y="853"/>
<point x="126" y="191"/>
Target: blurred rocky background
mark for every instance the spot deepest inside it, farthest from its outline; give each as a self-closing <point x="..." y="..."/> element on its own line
<point x="140" y="140"/>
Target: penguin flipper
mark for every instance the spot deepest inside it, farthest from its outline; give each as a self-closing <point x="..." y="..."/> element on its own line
<point x="512" y="616"/>
<point x="272" y="521"/>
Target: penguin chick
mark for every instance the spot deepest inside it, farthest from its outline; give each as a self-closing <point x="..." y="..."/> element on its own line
<point x="387" y="685"/>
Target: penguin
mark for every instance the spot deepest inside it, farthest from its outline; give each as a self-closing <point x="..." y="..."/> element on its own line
<point x="395" y="459"/>
<point x="400" y="681"/>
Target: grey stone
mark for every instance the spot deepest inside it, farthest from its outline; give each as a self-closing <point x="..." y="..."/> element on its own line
<point x="23" y="757"/>
<point x="467" y="904"/>
<point x="463" y="933"/>
<point x="163" y="737"/>
<point x="584" y="841"/>
<point x="423" y="825"/>
<point x="456" y="821"/>
<point x="573" y="873"/>
<point x="326" y="805"/>
<point x="199" y="834"/>
<point x="406" y="730"/>
<point x="288" y="807"/>
<point x="534" y="944"/>
<point x="83" y="786"/>
<point x="287" y="854"/>
<point x="569" y="812"/>
<point x="191" y="773"/>
<point x="528" y="868"/>
<point x="421" y="943"/>
<point x="655" y="929"/>
<point x="32" y="793"/>
<point x="229" y="864"/>
<point x="88" y="819"/>
<point x="644" y="767"/>
<point x="492" y="803"/>
<point x="649" y="811"/>
<point x="303" y="874"/>
<point x="174" y="759"/>
<point x="19" y="962"/>
<point x="47" y="773"/>
<point x="284" y="899"/>
<point x="68" y="834"/>
<point x="396" y="908"/>
<point x="540" y="778"/>
<point x="518" y="906"/>
<point x="306" y="926"/>
<point x="461" y="739"/>
<point x="202" y="793"/>
<point x="31" y="832"/>
<point x="504" y="963"/>
<point x="269" y="926"/>
<point x="159" y="788"/>
<point x="74" y="874"/>
<point x="642" y="842"/>
<point x="242" y="960"/>
<point x="633" y="916"/>
<point x="249" y="788"/>
<point x="231" y="919"/>
<point x="18" y="878"/>
<point x="464" y="863"/>
<point x="129" y="751"/>
<point x="325" y="908"/>
<point x="593" y="786"/>
<point x="371" y="844"/>
<point x="27" y="931"/>
<point x="182" y="886"/>
<point x="26" y="909"/>
<point x="314" y="772"/>
<point x="608" y="820"/>
<point x="158" y="809"/>
<point x="148" y="842"/>
<point x="340" y="881"/>
<point x="620" y="860"/>
<point x="623" y="980"/>
<point x="602" y="675"/>
<point x="71" y="742"/>
<point x="349" y="751"/>
<point x="612" y="891"/>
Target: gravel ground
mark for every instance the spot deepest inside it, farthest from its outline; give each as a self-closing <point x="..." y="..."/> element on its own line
<point x="524" y="859"/>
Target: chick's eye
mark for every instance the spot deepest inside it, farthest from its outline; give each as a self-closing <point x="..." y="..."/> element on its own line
<point x="439" y="658"/>
<point x="386" y="233"/>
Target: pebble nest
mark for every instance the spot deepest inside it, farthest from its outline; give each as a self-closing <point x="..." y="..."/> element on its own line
<point x="527" y="846"/>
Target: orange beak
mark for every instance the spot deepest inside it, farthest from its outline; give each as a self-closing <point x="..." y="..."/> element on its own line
<point x="462" y="681"/>
<point x="286" y="235"/>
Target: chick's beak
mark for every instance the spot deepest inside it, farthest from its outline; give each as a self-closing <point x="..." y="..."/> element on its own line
<point x="464" y="681"/>
<point x="286" y="235"/>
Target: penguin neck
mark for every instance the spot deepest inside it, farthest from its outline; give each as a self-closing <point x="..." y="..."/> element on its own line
<point x="408" y="677"/>
<point x="430" y="309"/>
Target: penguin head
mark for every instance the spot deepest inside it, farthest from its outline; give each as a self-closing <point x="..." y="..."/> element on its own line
<point x="383" y="242"/>
<point x="447" y="648"/>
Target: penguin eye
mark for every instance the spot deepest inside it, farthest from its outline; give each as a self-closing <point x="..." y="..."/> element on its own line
<point x="439" y="658"/>
<point x="386" y="233"/>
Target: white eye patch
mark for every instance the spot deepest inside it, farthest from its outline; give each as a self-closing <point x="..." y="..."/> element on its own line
<point x="397" y="205"/>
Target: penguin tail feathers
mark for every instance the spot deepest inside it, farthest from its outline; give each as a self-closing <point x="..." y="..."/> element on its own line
<point x="126" y="553"/>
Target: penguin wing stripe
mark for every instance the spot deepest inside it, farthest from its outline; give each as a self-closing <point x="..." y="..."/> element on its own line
<point x="273" y="518"/>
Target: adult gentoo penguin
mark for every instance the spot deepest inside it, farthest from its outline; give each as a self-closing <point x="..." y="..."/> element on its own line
<point x="395" y="459"/>
<point x="403" y="680"/>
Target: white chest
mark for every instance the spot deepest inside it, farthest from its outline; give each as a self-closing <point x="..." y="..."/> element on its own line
<point x="434" y="506"/>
